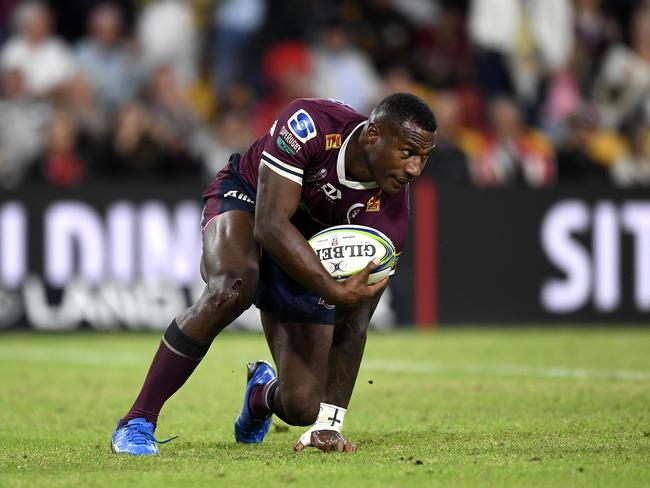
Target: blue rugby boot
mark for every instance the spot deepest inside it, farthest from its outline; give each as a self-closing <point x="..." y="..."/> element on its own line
<point x="136" y="438"/>
<point x="249" y="429"/>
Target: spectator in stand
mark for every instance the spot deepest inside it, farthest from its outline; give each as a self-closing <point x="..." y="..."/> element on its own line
<point x="520" y="45"/>
<point x="580" y="155"/>
<point x="167" y="36"/>
<point x="43" y="59"/>
<point x="23" y="121"/>
<point x="72" y="21"/>
<point x="512" y="154"/>
<point x="383" y="32"/>
<point x="173" y="124"/>
<point x="595" y="32"/>
<point x="171" y="112"/>
<point x="622" y="11"/>
<point x="448" y="164"/>
<point x="624" y="80"/>
<point x="568" y="89"/>
<point x="106" y="62"/>
<point x="442" y="56"/>
<point x="291" y="20"/>
<point x="232" y="134"/>
<point x="287" y="71"/>
<point x="159" y="135"/>
<point x="398" y="78"/>
<point x="634" y="169"/>
<point x="62" y="164"/>
<point x="421" y="14"/>
<point x="6" y="8"/>
<point x="344" y="72"/>
<point x="133" y="151"/>
<point x="92" y="125"/>
<point x="236" y="25"/>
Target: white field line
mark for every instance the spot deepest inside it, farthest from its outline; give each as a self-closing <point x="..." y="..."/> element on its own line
<point x="88" y="357"/>
<point x="397" y="366"/>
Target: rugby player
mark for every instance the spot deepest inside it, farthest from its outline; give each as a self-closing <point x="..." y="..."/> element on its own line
<point x="320" y="164"/>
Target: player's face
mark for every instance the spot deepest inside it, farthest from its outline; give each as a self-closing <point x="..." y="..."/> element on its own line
<point x="399" y="155"/>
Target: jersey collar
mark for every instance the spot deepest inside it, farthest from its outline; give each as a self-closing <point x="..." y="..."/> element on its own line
<point x="340" y="168"/>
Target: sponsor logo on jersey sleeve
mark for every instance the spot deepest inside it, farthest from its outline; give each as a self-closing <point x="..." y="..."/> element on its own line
<point x="284" y="146"/>
<point x="302" y="126"/>
<point x="374" y="202"/>
<point x="332" y="141"/>
<point x="291" y="141"/>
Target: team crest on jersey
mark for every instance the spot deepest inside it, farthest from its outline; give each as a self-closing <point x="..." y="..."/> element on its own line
<point x="302" y="126"/>
<point x="332" y="141"/>
<point x="353" y="211"/>
<point x="374" y="202"/>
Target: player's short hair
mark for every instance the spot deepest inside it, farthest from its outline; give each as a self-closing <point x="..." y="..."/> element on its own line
<point x="405" y="107"/>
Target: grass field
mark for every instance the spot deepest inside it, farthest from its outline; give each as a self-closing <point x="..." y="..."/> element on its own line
<point x="468" y="407"/>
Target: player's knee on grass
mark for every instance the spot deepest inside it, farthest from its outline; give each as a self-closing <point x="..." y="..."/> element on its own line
<point x="300" y="408"/>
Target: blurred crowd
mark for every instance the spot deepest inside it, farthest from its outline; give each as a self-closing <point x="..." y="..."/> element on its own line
<point x="527" y="92"/>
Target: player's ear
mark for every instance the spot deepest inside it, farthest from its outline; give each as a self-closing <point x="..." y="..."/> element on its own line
<point x="373" y="132"/>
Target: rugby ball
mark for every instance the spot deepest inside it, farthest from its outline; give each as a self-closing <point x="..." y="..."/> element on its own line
<point x="345" y="250"/>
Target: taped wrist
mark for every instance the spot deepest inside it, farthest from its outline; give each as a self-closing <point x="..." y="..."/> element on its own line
<point x="330" y="417"/>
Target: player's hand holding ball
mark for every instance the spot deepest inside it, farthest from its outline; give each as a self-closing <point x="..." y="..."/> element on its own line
<point x="360" y="257"/>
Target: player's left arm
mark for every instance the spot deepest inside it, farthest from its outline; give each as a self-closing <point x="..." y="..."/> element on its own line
<point x="348" y="344"/>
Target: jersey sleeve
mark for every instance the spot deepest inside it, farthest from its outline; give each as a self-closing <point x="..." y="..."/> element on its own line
<point x="293" y="144"/>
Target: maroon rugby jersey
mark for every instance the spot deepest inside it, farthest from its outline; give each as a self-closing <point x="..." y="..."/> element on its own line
<point x="307" y="146"/>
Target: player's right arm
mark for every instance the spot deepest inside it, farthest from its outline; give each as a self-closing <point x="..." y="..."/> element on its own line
<point x="277" y="200"/>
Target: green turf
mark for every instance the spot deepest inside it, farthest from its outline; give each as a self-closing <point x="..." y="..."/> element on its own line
<point x="469" y="407"/>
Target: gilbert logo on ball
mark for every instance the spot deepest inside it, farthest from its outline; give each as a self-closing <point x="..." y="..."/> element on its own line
<point x="345" y="250"/>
